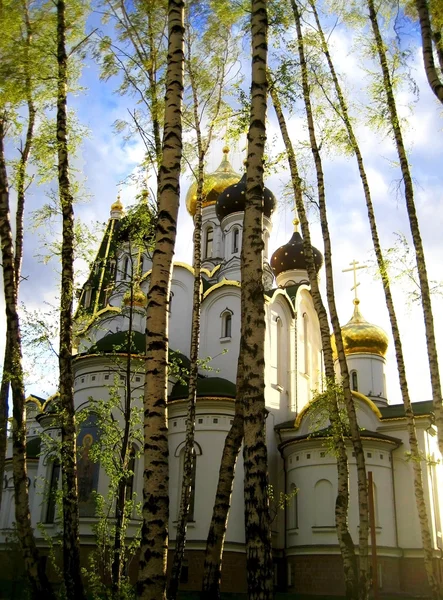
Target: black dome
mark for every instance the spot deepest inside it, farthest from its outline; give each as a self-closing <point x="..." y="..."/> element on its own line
<point x="291" y="256"/>
<point x="232" y="200"/>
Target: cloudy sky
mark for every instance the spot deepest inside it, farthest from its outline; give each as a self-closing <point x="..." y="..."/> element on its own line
<point x="106" y="161"/>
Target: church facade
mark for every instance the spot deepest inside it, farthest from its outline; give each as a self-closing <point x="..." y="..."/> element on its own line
<point x="301" y="462"/>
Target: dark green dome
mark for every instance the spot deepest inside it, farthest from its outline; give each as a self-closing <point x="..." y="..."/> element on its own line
<point x="206" y="387"/>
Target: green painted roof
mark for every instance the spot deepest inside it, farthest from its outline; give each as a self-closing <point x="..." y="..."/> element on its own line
<point x="396" y="411"/>
<point x="117" y="343"/>
<point x="206" y="387"/>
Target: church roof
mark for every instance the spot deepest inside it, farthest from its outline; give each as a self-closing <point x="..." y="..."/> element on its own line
<point x="397" y="411"/>
<point x="326" y="433"/>
<point x="214" y="387"/>
<point x="232" y="200"/>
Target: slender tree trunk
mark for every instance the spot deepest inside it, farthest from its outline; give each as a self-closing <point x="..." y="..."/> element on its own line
<point x="257" y="519"/>
<point x="428" y="55"/>
<point x="415" y="229"/>
<point x="437" y="39"/>
<point x="154" y="541"/>
<point x="120" y="509"/>
<point x="71" y="550"/>
<point x="342" y="500"/>
<point x="416" y="457"/>
<point x="349" y="403"/>
<point x="21" y="175"/>
<point x="222" y="503"/>
<point x="39" y="585"/>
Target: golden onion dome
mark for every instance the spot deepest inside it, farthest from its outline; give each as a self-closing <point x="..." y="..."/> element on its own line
<point x="117" y="205"/>
<point x="138" y="297"/>
<point x="361" y="336"/>
<point x="215" y="183"/>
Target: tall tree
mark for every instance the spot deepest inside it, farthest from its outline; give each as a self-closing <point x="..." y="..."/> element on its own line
<point x="395" y="127"/>
<point x="257" y="520"/>
<point x="71" y="545"/>
<point x="435" y="82"/>
<point x="343" y="113"/>
<point x="349" y="402"/>
<point x="342" y="500"/>
<point x="154" y="542"/>
<point x="206" y="67"/>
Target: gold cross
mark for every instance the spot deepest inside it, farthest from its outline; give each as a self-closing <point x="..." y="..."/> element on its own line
<point x="354" y="268"/>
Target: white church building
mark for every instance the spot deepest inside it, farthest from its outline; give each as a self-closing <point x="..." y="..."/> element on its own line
<point x="301" y="465"/>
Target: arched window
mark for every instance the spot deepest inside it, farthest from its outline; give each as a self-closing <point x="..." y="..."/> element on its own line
<point x="306" y="344"/>
<point x="112" y="267"/>
<point x="324" y="504"/>
<point x="280" y="353"/>
<point x="87" y="469"/>
<point x="52" y="492"/>
<point x="354" y="381"/>
<point x="209" y="238"/>
<point x="235" y="240"/>
<point x="197" y="451"/>
<point x="226" y="322"/>
<point x="125" y="268"/>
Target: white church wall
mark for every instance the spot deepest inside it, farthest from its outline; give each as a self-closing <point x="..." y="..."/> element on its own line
<point x="181" y="310"/>
<point x="213" y="341"/>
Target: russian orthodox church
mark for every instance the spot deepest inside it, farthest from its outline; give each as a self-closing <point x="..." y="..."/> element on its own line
<point x="301" y="463"/>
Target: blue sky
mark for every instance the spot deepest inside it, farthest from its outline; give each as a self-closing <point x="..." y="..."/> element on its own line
<point x="106" y="160"/>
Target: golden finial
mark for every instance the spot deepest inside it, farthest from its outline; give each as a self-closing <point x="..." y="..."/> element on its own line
<point x="226" y="149"/>
<point x="355" y="265"/>
<point x="295" y="221"/>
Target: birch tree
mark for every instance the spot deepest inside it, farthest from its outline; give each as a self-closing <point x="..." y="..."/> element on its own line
<point x="396" y="132"/>
<point x="349" y="403"/>
<point x="342" y="110"/>
<point x="154" y="540"/>
<point x="257" y="520"/>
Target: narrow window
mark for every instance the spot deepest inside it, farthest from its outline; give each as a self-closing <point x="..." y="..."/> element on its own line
<point x="112" y="266"/>
<point x="354" y="381"/>
<point x="228" y="325"/>
<point x="306" y="343"/>
<point x="125" y="268"/>
<point x="280" y="352"/>
<point x="209" y="242"/>
<point x="235" y="240"/>
<point x="88" y="296"/>
<point x="52" y="492"/>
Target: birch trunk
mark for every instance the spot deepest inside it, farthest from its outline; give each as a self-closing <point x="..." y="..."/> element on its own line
<point x="154" y="540"/>
<point x="415" y="229"/>
<point x="349" y="403"/>
<point x="120" y="509"/>
<point x="427" y="50"/>
<point x="342" y="500"/>
<point x="416" y="458"/>
<point x="39" y="585"/>
<point x="71" y="550"/>
<point x="257" y="519"/>
<point x="22" y="165"/>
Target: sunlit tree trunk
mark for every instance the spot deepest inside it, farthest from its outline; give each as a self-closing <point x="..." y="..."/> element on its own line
<point x="416" y="458"/>
<point x="428" y="55"/>
<point x="413" y="222"/>
<point x="39" y="585"/>
<point x="21" y="178"/>
<point x="154" y="541"/>
<point x="71" y="550"/>
<point x="257" y="520"/>
<point x="349" y="403"/>
<point x="342" y="500"/>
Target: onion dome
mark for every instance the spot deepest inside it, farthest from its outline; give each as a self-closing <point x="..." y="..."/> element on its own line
<point x="361" y="336"/>
<point x="214" y="184"/>
<point x="138" y="297"/>
<point x="233" y="200"/>
<point x="117" y="208"/>
<point x="291" y="256"/>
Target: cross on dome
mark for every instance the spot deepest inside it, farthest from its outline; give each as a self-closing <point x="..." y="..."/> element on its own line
<point x="355" y="265"/>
